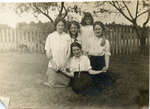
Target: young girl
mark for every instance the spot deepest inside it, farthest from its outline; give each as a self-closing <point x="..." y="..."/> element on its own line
<point x="58" y="51"/>
<point x="79" y="69"/>
<point x="99" y="56"/>
<point x="87" y="31"/>
<point x="74" y="31"/>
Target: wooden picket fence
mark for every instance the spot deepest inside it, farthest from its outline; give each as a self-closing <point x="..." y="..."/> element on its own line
<point x="123" y="41"/>
<point x="17" y="40"/>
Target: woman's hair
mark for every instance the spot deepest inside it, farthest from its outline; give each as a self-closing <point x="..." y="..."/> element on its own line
<point x="78" y="26"/>
<point x="89" y="16"/>
<point x="60" y="20"/>
<point x="75" y="44"/>
<point x="100" y="24"/>
<point x="103" y="29"/>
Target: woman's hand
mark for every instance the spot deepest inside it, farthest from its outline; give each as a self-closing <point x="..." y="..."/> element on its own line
<point x="49" y="55"/>
<point x="105" y="69"/>
<point x="54" y="66"/>
<point x="94" y="72"/>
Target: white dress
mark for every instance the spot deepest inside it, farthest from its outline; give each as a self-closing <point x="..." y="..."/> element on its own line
<point x="86" y="34"/>
<point x="59" y="45"/>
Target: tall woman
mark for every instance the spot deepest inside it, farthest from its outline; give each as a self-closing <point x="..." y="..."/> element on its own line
<point x="58" y="51"/>
<point x="100" y="56"/>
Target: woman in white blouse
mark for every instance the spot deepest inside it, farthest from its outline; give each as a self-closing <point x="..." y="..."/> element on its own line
<point x="79" y="69"/>
<point x="58" y="51"/>
<point x="99" y="54"/>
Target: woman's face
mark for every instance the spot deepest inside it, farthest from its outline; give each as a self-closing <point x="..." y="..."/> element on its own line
<point x="76" y="51"/>
<point x="60" y="27"/>
<point x="88" y="20"/>
<point x="74" y="29"/>
<point x="98" y="30"/>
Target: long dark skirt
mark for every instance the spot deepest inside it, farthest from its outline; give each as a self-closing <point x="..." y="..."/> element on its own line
<point x="102" y="80"/>
<point x="81" y="82"/>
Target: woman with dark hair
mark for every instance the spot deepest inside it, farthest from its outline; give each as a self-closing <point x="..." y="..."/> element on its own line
<point x="87" y="31"/>
<point x="74" y="31"/>
<point x="99" y="56"/>
<point x="79" y="69"/>
<point x="57" y="48"/>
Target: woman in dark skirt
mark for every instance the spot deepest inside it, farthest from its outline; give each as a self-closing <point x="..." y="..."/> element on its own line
<point x="99" y="55"/>
<point x="79" y="69"/>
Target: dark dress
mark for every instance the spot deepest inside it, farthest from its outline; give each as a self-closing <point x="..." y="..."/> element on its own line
<point x="102" y="80"/>
<point x="81" y="82"/>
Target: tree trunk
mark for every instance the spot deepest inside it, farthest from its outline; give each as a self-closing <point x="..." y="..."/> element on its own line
<point x="142" y="34"/>
<point x="143" y="46"/>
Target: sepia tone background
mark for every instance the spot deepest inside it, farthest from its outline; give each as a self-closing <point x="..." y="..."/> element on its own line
<point x="23" y="31"/>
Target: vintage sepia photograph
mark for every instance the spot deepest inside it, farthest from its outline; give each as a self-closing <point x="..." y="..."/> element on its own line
<point x="74" y="55"/>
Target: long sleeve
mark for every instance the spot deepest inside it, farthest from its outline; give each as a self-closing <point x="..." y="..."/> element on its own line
<point x="107" y="48"/>
<point x="48" y="48"/>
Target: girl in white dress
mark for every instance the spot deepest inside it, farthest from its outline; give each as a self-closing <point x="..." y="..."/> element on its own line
<point x="58" y="51"/>
<point x="86" y="31"/>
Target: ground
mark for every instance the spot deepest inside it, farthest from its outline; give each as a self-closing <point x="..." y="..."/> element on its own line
<point x="22" y="75"/>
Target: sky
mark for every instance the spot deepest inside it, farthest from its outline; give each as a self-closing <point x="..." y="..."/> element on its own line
<point x="10" y="17"/>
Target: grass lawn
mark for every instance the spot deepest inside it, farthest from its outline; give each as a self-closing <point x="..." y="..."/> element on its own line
<point x="22" y="75"/>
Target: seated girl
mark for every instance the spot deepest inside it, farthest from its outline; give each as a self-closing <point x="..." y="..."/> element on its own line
<point x="79" y="69"/>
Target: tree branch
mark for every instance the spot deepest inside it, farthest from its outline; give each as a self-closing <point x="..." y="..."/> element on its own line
<point x="66" y="12"/>
<point x="148" y="10"/>
<point x="120" y="10"/>
<point x="43" y="13"/>
<point x="62" y="6"/>
<point x="137" y="9"/>
<point x="47" y="12"/>
<point x="147" y="20"/>
<point x="127" y="9"/>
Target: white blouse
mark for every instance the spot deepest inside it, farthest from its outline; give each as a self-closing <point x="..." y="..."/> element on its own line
<point x="86" y="34"/>
<point x="97" y="49"/>
<point x="59" y="45"/>
<point x="79" y="64"/>
<point x="78" y="39"/>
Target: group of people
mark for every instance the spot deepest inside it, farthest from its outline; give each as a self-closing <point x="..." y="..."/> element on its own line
<point x="78" y="58"/>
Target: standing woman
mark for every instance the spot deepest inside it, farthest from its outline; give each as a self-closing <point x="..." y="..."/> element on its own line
<point x="58" y="51"/>
<point x="99" y="56"/>
<point x="74" y="31"/>
<point x="87" y="31"/>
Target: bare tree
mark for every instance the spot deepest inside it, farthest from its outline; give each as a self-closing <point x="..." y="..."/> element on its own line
<point x="142" y="8"/>
<point x="43" y="9"/>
